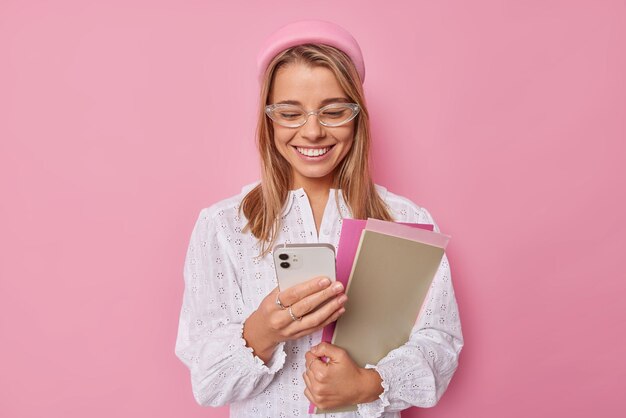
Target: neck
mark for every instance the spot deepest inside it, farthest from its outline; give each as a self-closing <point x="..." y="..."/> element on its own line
<point x="314" y="187"/>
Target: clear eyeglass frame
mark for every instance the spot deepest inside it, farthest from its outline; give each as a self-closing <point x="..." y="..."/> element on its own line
<point x="271" y="112"/>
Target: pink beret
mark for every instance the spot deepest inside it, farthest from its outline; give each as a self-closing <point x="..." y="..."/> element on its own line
<point x="310" y="31"/>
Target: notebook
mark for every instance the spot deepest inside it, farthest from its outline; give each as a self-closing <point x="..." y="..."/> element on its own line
<point x="392" y="273"/>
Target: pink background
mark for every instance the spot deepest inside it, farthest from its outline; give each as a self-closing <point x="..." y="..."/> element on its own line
<point x="120" y="120"/>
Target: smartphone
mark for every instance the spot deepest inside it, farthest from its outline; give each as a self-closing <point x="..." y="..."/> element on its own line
<point x="297" y="263"/>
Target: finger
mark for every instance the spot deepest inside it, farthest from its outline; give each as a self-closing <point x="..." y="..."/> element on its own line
<point x="293" y="329"/>
<point x="308" y="357"/>
<point x="330" y="319"/>
<point x="311" y="302"/>
<point x="269" y="302"/>
<point x="328" y="350"/>
<point x="335" y="316"/>
<point x="318" y="317"/>
<point x="317" y="370"/>
<point x="287" y="323"/>
<point x="295" y="293"/>
<point x="309" y="396"/>
<point x="307" y="380"/>
<point x="275" y="295"/>
<point x="309" y="390"/>
<point x="276" y="317"/>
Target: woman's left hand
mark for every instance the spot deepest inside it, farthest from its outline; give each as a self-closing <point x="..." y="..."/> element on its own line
<point x="339" y="381"/>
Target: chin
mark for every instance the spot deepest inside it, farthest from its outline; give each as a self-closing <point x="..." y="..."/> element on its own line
<point x="315" y="175"/>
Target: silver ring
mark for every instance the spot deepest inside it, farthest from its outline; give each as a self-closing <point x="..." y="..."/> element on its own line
<point x="295" y="318"/>
<point x="279" y="303"/>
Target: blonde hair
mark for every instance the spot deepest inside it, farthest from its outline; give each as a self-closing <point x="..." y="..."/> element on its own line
<point x="262" y="206"/>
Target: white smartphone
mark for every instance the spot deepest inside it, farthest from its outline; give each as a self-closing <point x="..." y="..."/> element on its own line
<point x="297" y="263"/>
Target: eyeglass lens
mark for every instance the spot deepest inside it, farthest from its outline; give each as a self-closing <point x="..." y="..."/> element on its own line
<point x="289" y="115"/>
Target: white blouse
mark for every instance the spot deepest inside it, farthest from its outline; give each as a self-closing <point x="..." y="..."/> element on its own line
<point x="225" y="282"/>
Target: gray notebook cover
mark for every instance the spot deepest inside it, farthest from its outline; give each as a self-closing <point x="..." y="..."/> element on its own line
<point x="389" y="282"/>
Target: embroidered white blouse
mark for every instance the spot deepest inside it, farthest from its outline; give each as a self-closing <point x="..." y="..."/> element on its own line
<point x="225" y="282"/>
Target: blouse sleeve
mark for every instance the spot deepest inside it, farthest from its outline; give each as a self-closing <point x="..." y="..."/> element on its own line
<point x="210" y="342"/>
<point x="418" y="372"/>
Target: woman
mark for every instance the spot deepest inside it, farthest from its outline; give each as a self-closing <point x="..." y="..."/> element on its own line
<point x="255" y="348"/>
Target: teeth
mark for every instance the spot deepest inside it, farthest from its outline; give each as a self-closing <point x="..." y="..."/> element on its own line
<point x="312" y="152"/>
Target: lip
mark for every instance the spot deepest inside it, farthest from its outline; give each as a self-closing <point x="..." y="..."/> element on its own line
<point x="315" y="147"/>
<point x="319" y="158"/>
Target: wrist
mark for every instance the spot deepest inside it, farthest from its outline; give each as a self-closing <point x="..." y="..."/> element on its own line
<point x="371" y="385"/>
<point x="257" y="340"/>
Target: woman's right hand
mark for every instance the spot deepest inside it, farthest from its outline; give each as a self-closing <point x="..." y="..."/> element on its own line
<point x="270" y="324"/>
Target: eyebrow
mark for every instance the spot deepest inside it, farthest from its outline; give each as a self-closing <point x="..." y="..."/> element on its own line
<point x="324" y="102"/>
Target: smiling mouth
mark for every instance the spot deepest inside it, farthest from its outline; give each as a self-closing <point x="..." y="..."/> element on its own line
<point x="313" y="152"/>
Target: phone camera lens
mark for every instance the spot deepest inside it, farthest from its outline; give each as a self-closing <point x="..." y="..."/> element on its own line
<point x="283" y="256"/>
<point x="285" y="265"/>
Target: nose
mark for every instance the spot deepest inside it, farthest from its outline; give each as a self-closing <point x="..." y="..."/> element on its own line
<point x="312" y="129"/>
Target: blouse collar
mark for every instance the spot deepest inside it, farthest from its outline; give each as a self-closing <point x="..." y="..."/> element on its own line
<point x="300" y="194"/>
<point x="293" y="194"/>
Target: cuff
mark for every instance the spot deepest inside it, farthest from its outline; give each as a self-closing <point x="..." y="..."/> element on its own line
<point x="376" y="408"/>
<point x="253" y="362"/>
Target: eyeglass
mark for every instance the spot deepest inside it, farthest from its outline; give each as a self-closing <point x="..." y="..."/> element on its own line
<point x="294" y="116"/>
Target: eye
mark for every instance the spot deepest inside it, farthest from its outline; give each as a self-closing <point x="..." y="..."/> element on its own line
<point x="286" y="115"/>
<point x="288" y="112"/>
<point x="335" y="113"/>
